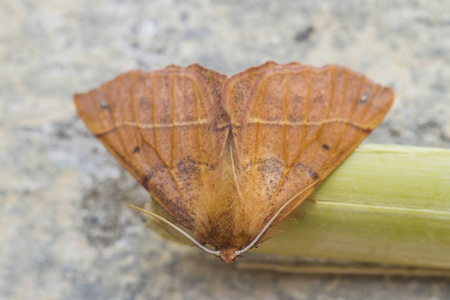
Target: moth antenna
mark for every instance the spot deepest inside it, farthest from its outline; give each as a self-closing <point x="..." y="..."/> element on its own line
<point x="216" y="253"/>
<point x="239" y="252"/>
<point x="234" y="173"/>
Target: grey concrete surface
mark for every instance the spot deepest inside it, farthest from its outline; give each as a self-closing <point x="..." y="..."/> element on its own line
<point x="65" y="232"/>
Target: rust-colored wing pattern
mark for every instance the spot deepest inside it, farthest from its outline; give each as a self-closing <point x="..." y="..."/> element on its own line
<point x="229" y="158"/>
<point x="162" y="126"/>
<point x="294" y="124"/>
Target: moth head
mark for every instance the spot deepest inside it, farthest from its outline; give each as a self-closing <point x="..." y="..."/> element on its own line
<point x="228" y="254"/>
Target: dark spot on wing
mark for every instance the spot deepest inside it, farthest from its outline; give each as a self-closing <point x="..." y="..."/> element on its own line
<point x="137" y="149"/>
<point x="104" y="104"/>
<point x="325" y="147"/>
<point x="144" y="103"/>
<point x="269" y="166"/>
<point x="189" y="169"/>
<point x="185" y="167"/>
<point x="298" y="98"/>
<point x="367" y="130"/>
<point x="146" y="180"/>
<point x="100" y="135"/>
<point x="318" y="98"/>
<point x="189" y="159"/>
<point x="313" y="174"/>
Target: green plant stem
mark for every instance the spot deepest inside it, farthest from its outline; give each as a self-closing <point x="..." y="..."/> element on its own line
<point x="384" y="204"/>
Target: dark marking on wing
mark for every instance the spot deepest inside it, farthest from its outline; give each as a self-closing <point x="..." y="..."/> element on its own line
<point x="367" y="130"/>
<point x="313" y="174"/>
<point x="100" y="135"/>
<point x="148" y="175"/>
<point x="104" y="104"/>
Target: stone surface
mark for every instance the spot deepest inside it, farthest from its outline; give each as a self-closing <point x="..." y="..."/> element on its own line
<point x="65" y="232"/>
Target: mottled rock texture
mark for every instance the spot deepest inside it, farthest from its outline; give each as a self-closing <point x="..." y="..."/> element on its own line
<point x="65" y="232"/>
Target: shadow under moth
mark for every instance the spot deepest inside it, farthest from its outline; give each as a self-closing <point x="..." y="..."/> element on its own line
<point x="226" y="159"/>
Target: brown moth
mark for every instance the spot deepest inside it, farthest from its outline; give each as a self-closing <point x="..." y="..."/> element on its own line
<point x="227" y="159"/>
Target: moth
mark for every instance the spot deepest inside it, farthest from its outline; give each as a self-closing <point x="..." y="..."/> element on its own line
<point x="226" y="159"/>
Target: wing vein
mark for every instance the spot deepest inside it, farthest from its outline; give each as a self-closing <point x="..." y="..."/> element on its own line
<point x="307" y="143"/>
<point x="122" y="141"/>
<point x="286" y="164"/>
<point x="155" y="134"/>
<point x="259" y="104"/>
<point x="370" y="102"/>
<point x="285" y="117"/>
<point x="355" y="101"/>
<point x="133" y="108"/>
<point x="308" y="100"/>
<point x="341" y="107"/>
<point x="199" y="100"/>
<point x="172" y="148"/>
<point x="327" y="113"/>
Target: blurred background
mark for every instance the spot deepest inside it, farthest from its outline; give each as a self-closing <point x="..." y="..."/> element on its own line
<point x="65" y="231"/>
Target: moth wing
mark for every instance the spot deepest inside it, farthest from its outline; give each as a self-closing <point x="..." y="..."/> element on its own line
<point x="296" y="125"/>
<point x="161" y="126"/>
